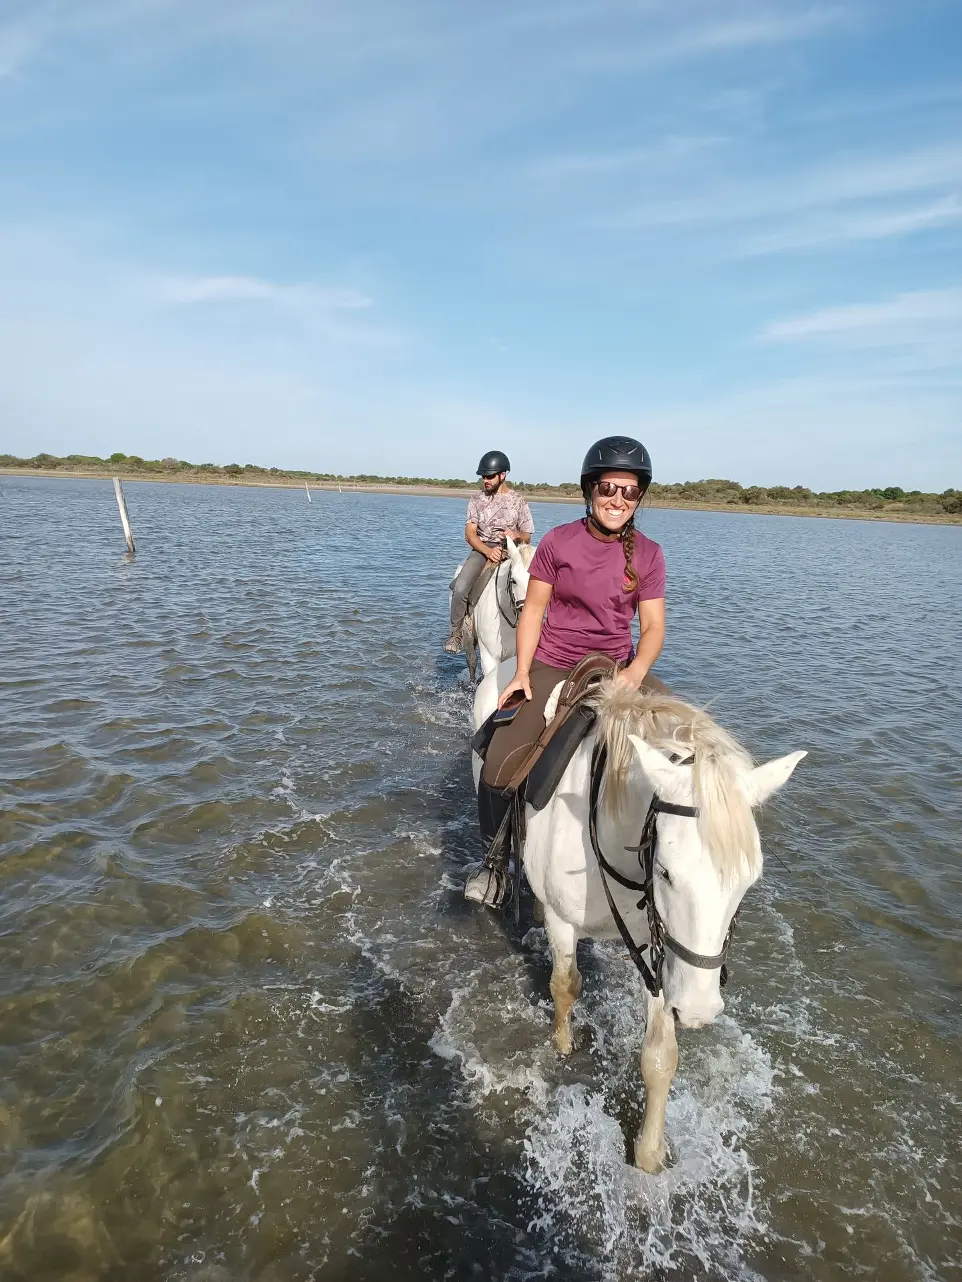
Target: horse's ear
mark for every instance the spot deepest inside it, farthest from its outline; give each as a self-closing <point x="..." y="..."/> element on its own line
<point x="670" y="781"/>
<point x="512" y="546"/>
<point x="761" y="782"/>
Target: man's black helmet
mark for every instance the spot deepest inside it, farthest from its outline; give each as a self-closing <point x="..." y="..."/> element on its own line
<point x="616" y="454"/>
<point x="492" y="462"/>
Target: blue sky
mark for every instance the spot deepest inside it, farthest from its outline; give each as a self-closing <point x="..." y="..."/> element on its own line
<point x="384" y="235"/>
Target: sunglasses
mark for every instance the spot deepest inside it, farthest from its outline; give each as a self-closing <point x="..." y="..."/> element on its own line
<point x="493" y="476"/>
<point x="608" y="490"/>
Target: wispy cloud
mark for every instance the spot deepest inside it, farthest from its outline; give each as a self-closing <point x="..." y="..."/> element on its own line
<point x="194" y="290"/>
<point x="815" y="232"/>
<point x="624" y="162"/>
<point x="897" y="319"/>
<point x="19" y="37"/>
<point x="844" y="180"/>
<point x="763" y="27"/>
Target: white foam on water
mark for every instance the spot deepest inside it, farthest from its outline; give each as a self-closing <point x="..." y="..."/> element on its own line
<point x="457" y="1039"/>
<point x="703" y="1209"/>
<point x="703" y="1212"/>
<point x="448" y="709"/>
<point x="424" y="845"/>
<point x="285" y="789"/>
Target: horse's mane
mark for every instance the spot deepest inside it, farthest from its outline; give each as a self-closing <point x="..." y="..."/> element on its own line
<point x="527" y="551"/>
<point x="665" y="722"/>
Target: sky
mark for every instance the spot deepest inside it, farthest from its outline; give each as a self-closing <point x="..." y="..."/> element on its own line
<point x="384" y="236"/>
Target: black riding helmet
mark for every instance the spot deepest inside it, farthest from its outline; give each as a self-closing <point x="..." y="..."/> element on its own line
<point x="615" y="454"/>
<point x="493" y="462"/>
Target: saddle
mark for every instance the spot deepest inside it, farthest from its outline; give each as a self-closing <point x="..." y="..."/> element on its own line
<point x="541" y="770"/>
<point x="538" y="775"/>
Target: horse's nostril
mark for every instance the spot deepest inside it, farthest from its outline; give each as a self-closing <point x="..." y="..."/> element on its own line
<point x="676" y="1013"/>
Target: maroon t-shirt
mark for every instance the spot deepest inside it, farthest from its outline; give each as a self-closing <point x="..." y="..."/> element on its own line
<point x="589" y="608"/>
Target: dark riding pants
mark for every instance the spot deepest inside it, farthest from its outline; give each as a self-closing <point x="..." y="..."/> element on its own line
<point x="510" y="744"/>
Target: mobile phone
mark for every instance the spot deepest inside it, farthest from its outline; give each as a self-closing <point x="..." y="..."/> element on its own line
<point x="507" y="714"/>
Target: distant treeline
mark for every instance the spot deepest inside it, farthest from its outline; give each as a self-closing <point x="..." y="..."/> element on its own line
<point x="698" y="493"/>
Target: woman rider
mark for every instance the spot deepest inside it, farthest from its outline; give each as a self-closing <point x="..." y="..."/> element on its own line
<point x="588" y="578"/>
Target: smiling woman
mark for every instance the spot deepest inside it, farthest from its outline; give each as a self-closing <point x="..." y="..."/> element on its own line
<point x="587" y="581"/>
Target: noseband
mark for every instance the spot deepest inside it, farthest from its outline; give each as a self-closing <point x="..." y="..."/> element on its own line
<point x="660" y="940"/>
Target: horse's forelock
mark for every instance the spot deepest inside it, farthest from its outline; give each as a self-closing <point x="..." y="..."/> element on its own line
<point x="725" y="819"/>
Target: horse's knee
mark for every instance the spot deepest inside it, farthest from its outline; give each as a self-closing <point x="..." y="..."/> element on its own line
<point x="659" y="1051"/>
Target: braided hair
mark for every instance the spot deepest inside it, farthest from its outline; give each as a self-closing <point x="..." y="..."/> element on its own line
<point x="627" y="539"/>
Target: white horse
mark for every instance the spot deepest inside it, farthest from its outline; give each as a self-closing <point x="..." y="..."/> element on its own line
<point x="493" y="624"/>
<point x="702" y="863"/>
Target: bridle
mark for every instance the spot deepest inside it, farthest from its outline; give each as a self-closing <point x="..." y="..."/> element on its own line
<point x="512" y="615"/>
<point x="660" y="941"/>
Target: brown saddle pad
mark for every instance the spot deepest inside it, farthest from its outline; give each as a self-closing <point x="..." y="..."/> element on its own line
<point x="582" y="679"/>
<point x="480" y="583"/>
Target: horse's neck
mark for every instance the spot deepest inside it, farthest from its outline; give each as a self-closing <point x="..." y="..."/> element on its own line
<point x="618" y="832"/>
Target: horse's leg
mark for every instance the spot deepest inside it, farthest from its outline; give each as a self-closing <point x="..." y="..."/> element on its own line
<point x="659" y="1060"/>
<point x="469" y="641"/>
<point x="565" y="979"/>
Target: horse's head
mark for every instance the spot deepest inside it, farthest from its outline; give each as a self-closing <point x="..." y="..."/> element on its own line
<point x="520" y="556"/>
<point x="704" y="861"/>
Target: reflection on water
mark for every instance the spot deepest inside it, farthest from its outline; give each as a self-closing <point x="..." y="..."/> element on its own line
<point x="248" y="1027"/>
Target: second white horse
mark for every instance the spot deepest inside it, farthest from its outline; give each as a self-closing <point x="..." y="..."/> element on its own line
<point x="492" y="629"/>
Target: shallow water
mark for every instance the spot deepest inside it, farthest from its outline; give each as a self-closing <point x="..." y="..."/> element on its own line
<point x="250" y="1031"/>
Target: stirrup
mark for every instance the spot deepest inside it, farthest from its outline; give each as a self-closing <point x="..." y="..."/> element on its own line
<point x="487" y="885"/>
<point x="455" y="642"/>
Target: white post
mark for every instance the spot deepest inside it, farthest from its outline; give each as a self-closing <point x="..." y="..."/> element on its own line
<point x="309" y="499"/>
<point x="124" y="518"/>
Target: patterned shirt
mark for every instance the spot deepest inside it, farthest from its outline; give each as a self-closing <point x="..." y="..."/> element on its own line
<point x="495" y="513"/>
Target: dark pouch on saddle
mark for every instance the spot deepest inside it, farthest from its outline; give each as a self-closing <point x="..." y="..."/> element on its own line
<point x="547" y="770"/>
<point x="481" y="739"/>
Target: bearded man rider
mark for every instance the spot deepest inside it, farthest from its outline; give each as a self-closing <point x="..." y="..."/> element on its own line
<point x="495" y="513"/>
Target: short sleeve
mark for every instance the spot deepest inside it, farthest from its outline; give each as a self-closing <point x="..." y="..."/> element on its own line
<point x="473" y="512"/>
<point x="652" y="584"/>
<point x="525" y="523"/>
<point x="544" y="566"/>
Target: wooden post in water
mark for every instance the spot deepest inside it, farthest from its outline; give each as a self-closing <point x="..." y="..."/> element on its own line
<point x="309" y="499"/>
<point x="124" y="518"/>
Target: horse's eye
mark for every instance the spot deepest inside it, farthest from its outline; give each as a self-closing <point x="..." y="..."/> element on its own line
<point x="664" y="874"/>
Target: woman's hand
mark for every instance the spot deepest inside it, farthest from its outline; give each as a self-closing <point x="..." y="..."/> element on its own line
<point x="520" y="681"/>
<point x="633" y="680"/>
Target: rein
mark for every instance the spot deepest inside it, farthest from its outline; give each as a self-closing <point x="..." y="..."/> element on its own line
<point x="660" y="940"/>
<point x="513" y="618"/>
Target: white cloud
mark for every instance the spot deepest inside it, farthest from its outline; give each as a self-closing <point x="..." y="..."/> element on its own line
<point x="818" y="231"/>
<point x="18" y="40"/>
<point x="764" y="27"/>
<point x="900" y="319"/>
<point x="189" y="290"/>
<point x="844" y="180"/>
